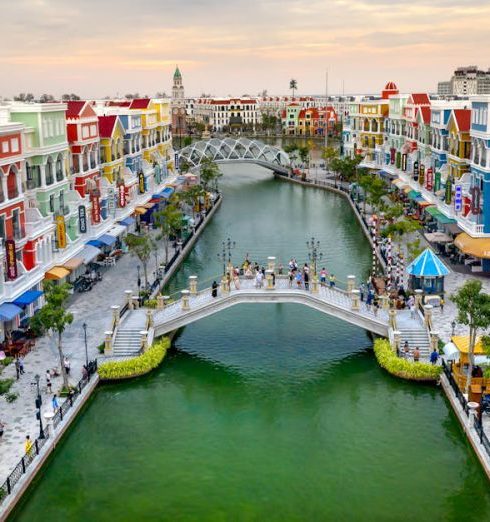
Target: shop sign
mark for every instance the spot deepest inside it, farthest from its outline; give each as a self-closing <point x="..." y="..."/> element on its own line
<point x="422" y="175"/>
<point x="122" y="196"/>
<point x="387" y="158"/>
<point x="176" y="161"/>
<point x="11" y="259"/>
<point x="404" y="162"/>
<point x="449" y="189"/>
<point x="398" y="160"/>
<point x="141" y="181"/>
<point x="60" y="232"/>
<point x="94" y="199"/>
<point x="429" y="179"/>
<point x="111" y="202"/>
<point x="475" y="200"/>
<point x="458" y="198"/>
<point x="437" y="182"/>
<point x="392" y="155"/>
<point x="416" y="170"/>
<point x="82" y="219"/>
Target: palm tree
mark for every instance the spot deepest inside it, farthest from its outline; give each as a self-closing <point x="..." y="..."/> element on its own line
<point x="293" y="85"/>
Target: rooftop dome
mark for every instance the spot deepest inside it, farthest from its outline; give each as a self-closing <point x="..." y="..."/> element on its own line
<point x="389" y="90"/>
<point x="391" y="86"/>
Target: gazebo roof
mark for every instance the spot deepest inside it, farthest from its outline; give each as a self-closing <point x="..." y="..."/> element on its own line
<point x="427" y="265"/>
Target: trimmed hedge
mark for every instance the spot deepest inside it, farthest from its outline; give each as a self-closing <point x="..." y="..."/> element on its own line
<point x="137" y="366"/>
<point x="413" y="371"/>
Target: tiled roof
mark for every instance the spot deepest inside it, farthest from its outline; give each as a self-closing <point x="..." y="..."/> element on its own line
<point x="425" y="111"/>
<point x="74" y="108"/>
<point x="140" y="103"/>
<point x="106" y="125"/>
<point x="463" y="119"/>
<point x="420" y="99"/>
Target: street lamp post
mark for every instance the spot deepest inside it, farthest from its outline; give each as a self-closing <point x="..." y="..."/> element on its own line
<point x="84" y="325"/>
<point x="453" y="327"/>
<point x="314" y="254"/>
<point x="139" y="279"/>
<point x="38" y="406"/>
<point x="226" y="247"/>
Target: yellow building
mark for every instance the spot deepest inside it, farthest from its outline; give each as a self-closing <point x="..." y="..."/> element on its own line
<point x="111" y="148"/>
<point x="370" y="125"/>
<point x="459" y="142"/>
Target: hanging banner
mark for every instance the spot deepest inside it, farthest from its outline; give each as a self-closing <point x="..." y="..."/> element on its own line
<point x="458" y="198"/>
<point x="404" y="162"/>
<point x="82" y="219"/>
<point x="429" y="179"/>
<point x="141" y="182"/>
<point x="398" y="160"/>
<point x="176" y="161"/>
<point x="10" y="259"/>
<point x="475" y="200"/>
<point x="437" y="182"/>
<point x="111" y="202"/>
<point x="449" y="190"/>
<point x="94" y="199"/>
<point x="60" y="232"/>
<point x="422" y="175"/>
<point x="416" y="170"/>
<point x="122" y="196"/>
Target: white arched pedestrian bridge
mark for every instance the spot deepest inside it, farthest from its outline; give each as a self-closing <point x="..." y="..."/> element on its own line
<point x="241" y="150"/>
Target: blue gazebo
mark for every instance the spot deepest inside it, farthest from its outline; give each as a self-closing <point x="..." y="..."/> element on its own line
<point x="427" y="273"/>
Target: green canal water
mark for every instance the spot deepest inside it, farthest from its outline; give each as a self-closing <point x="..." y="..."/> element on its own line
<point x="266" y="412"/>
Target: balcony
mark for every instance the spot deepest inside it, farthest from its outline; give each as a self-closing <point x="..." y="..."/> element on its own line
<point x="36" y="224"/>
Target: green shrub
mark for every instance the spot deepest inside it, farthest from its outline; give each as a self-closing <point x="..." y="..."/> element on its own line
<point x="5" y="385"/>
<point x="136" y="366"/>
<point x="6" y="361"/>
<point x="101" y="347"/>
<point x="11" y="396"/>
<point x="415" y="371"/>
<point x="151" y="303"/>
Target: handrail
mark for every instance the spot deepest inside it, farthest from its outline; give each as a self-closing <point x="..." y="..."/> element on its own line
<point x="20" y="469"/>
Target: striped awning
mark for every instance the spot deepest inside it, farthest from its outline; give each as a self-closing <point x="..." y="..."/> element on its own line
<point x="57" y="272"/>
<point x="73" y="263"/>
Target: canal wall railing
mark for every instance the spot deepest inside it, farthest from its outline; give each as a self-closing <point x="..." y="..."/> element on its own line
<point x="24" y="472"/>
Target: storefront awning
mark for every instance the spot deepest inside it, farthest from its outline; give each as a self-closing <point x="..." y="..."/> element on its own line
<point x="444" y="220"/>
<point x="127" y="222"/>
<point x="474" y="246"/>
<point x="433" y="211"/>
<point x="89" y="253"/>
<point x="167" y="192"/>
<point x="57" y="272"/>
<point x="8" y="311"/>
<point x="140" y="210"/>
<point x="28" y="297"/>
<point x="117" y="230"/>
<point x="462" y="343"/>
<point x="406" y="189"/>
<point x="413" y="195"/>
<point x="73" y="263"/>
<point x="148" y="205"/>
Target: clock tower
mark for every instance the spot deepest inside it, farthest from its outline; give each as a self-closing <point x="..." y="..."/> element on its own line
<point x="178" y="105"/>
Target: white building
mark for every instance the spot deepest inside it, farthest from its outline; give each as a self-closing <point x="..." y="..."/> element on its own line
<point x="222" y="113"/>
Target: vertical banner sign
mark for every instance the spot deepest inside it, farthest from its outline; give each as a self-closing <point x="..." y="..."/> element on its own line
<point x="122" y="196"/>
<point x="60" y="232"/>
<point x="429" y="182"/>
<point x="387" y="158"/>
<point x="475" y="200"/>
<point x="176" y="161"/>
<point x="111" y="202"/>
<point x="94" y="199"/>
<point x="458" y="198"/>
<point x="437" y="182"/>
<point x="416" y="170"/>
<point x="398" y="160"/>
<point x="392" y="156"/>
<point x="404" y="162"/>
<point x="11" y="259"/>
<point x="82" y="219"/>
<point x="422" y="175"/>
<point x="449" y="190"/>
<point x="141" y="182"/>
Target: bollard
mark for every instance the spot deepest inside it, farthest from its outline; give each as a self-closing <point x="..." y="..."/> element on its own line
<point x="397" y="341"/>
<point x="434" y="341"/>
<point x="268" y="279"/>
<point x="185" y="300"/>
<point x="392" y="318"/>
<point x="428" y="315"/>
<point x="144" y="340"/>
<point x="149" y="318"/>
<point x="314" y="285"/>
<point x="160" y="302"/>
<point x="271" y="263"/>
<point x="108" y="342"/>
<point x="418" y="298"/>
<point x="136" y="302"/>
<point x="129" y="294"/>
<point x="351" y="282"/>
<point x="193" y="285"/>
<point x="115" y="314"/>
<point x="356" y="300"/>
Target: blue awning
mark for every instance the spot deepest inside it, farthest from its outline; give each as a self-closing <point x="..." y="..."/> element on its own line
<point x="427" y="265"/>
<point x="107" y="239"/>
<point x="28" y="297"/>
<point x="8" y="311"/>
<point x="127" y="222"/>
<point x="95" y="242"/>
<point x="166" y="192"/>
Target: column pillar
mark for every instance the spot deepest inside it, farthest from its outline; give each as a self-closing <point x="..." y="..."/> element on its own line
<point x="271" y="263"/>
<point x="149" y="318"/>
<point x="193" y="285"/>
<point x="397" y="335"/>
<point x="136" y="302"/>
<point x="166" y="299"/>
<point x="108" y="342"/>
<point x="129" y="298"/>
<point x="268" y="279"/>
<point x="185" y="300"/>
<point x="314" y="285"/>
<point x="160" y="303"/>
<point x="356" y="300"/>
<point x="115" y="314"/>
<point x="392" y="318"/>
<point x="351" y="282"/>
<point x="418" y="298"/>
<point x="144" y="340"/>
<point x="428" y="315"/>
<point x="434" y="341"/>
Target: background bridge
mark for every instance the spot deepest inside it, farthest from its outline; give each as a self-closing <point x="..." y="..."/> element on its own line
<point x="241" y="150"/>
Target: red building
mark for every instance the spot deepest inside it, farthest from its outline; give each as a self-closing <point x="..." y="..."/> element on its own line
<point x="83" y="137"/>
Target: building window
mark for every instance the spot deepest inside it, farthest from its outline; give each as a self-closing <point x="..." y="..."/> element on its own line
<point x="5" y="147"/>
<point x="62" y="202"/>
<point x="51" y="203"/>
<point x="2" y="227"/>
<point x="59" y="168"/>
<point x="12" y="191"/>
<point x="14" y="144"/>
<point x="49" y="172"/>
<point x="16" y="224"/>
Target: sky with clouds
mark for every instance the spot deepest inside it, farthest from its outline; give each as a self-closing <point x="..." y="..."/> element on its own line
<point x="105" y="47"/>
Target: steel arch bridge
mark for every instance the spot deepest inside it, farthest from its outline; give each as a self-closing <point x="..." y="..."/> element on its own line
<point x="241" y="150"/>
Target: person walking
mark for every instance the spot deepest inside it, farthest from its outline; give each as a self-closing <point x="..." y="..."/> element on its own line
<point x="48" y="381"/>
<point x="362" y="291"/>
<point x="290" y="276"/>
<point x="2" y="428"/>
<point x="17" y="367"/>
<point x="66" y="364"/>
<point x="54" y="403"/>
<point x="21" y="366"/>
<point x="323" y="277"/>
<point x="331" y="280"/>
<point x="306" y="278"/>
<point x="376" y="305"/>
<point x="434" y="356"/>
<point x="416" y="354"/>
<point x="441" y="304"/>
<point x="28" y="445"/>
<point x="406" y="350"/>
<point x="298" y="279"/>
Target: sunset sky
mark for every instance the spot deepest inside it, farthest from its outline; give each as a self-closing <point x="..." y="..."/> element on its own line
<point x="105" y="47"/>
